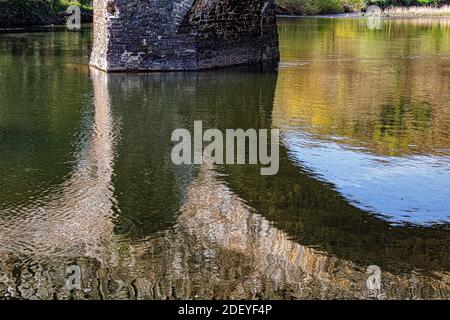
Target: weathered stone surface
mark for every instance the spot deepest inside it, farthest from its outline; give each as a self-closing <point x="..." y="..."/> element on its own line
<point x="154" y="35"/>
<point x="23" y="13"/>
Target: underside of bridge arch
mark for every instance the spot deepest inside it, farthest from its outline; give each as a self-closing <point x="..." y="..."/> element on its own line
<point x="158" y="35"/>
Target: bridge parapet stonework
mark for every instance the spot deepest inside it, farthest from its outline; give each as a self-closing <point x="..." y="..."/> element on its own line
<point x="155" y="35"/>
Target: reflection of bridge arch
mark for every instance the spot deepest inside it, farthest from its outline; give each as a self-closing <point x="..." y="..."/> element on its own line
<point x="154" y="35"/>
<point x="218" y="247"/>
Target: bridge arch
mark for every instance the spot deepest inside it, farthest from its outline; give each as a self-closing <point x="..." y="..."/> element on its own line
<point x="158" y="35"/>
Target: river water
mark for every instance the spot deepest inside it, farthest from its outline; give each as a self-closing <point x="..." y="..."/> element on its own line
<point x="88" y="189"/>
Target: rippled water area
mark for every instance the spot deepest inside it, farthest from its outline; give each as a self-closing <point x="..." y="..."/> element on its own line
<point x="87" y="184"/>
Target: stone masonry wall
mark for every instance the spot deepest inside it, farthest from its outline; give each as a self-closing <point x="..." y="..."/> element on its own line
<point x="233" y="31"/>
<point x="154" y="35"/>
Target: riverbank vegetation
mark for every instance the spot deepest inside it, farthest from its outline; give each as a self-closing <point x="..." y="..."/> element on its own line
<point x="418" y="11"/>
<point x="314" y="7"/>
<point x="390" y="7"/>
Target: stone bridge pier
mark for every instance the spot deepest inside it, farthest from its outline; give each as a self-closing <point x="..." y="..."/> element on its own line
<point x="158" y="35"/>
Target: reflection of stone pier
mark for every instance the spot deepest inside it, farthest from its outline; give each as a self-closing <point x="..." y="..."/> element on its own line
<point x="221" y="249"/>
<point x="214" y="246"/>
<point x="156" y="35"/>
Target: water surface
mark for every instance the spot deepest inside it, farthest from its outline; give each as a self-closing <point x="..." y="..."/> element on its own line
<point x="86" y="177"/>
